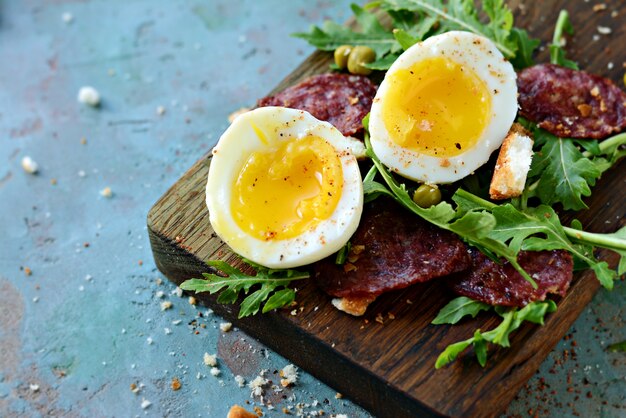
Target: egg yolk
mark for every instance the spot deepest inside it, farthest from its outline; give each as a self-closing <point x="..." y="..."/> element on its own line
<point x="436" y="107"/>
<point x="284" y="190"/>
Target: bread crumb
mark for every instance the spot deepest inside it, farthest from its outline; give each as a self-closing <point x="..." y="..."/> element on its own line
<point x="160" y="110"/>
<point x="215" y="371"/>
<point x="226" y="326"/>
<point x="67" y="17"/>
<point x="355" y="307"/>
<point x="338" y="395"/>
<point x="511" y="170"/>
<point x="289" y="375"/>
<point x="29" y="166"/>
<point x="149" y="340"/>
<point x="89" y="96"/>
<point x="34" y="388"/>
<point x="192" y="300"/>
<point x="238" y="412"/>
<point x="106" y="192"/>
<point x="599" y="7"/>
<point x="210" y="359"/>
<point x="145" y="404"/>
<point x="257" y="386"/>
<point x="241" y="381"/>
<point x="176" y="385"/>
<point x="584" y="109"/>
<point x="166" y="305"/>
<point x="604" y="30"/>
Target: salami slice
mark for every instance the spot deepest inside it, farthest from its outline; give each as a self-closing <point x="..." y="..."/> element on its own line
<point x="570" y="103"/>
<point x="340" y="99"/>
<point x="391" y="249"/>
<point x="501" y="284"/>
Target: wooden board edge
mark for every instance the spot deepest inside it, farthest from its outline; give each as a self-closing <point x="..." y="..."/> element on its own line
<point x="378" y="398"/>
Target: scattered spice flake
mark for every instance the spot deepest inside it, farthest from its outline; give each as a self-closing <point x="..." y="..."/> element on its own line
<point x="176" y="385"/>
<point x="134" y="388"/>
<point x="259" y="411"/>
<point x="210" y="359"/>
<point x="53" y="182"/>
<point x="289" y="375"/>
<point x="83" y="141"/>
<point x="226" y="326"/>
<point x="106" y="192"/>
<point x="166" y="305"/>
<point x="29" y="165"/>
<point x="28" y="271"/>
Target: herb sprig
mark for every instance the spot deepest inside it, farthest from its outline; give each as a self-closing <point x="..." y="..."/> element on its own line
<point x="512" y="319"/>
<point x="273" y="292"/>
<point x="415" y="20"/>
<point x="502" y="231"/>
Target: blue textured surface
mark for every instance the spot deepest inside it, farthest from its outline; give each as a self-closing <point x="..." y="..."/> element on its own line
<point x="79" y="326"/>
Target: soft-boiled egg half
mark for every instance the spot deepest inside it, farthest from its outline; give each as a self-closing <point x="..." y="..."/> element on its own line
<point x="444" y="106"/>
<point x="284" y="189"/>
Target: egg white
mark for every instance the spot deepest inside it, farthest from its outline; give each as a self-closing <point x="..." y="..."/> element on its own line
<point x="233" y="150"/>
<point x="481" y="56"/>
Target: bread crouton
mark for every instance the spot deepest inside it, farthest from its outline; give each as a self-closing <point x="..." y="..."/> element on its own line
<point x="354" y="306"/>
<point x="509" y="175"/>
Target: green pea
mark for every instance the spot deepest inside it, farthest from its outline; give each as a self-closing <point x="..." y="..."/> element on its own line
<point x="426" y="196"/>
<point x="360" y="56"/>
<point x="341" y="56"/>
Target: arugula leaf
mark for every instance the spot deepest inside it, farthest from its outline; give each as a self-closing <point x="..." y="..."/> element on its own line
<point x="526" y="47"/>
<point x="557" y="54"/>
<point x="620" y="346"/>
<point x="270" y="280"/>
<point x="512" y="319"/>
<point x="561" y="172"/>
<point x="415" y="20"/>
<point x="520" y="229"/>
<point x="464" y="15"/>
<point x="342" y="254"/>
<point x="452" y="352"/>
<point x="473" y="227"/>
<point x="480" y="348"/>
<point x="405" y="39"/>
<point x="333" y="35"/>
<point x="458" y="308"/>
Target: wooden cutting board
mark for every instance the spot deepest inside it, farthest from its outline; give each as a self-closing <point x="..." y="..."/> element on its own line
<point x="388" y="367"/>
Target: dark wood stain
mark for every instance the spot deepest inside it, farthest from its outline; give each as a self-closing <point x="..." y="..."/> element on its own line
<point x="389" y="368"/>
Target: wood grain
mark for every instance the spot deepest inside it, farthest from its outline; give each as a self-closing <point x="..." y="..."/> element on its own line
<point x="389" y="368"/>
